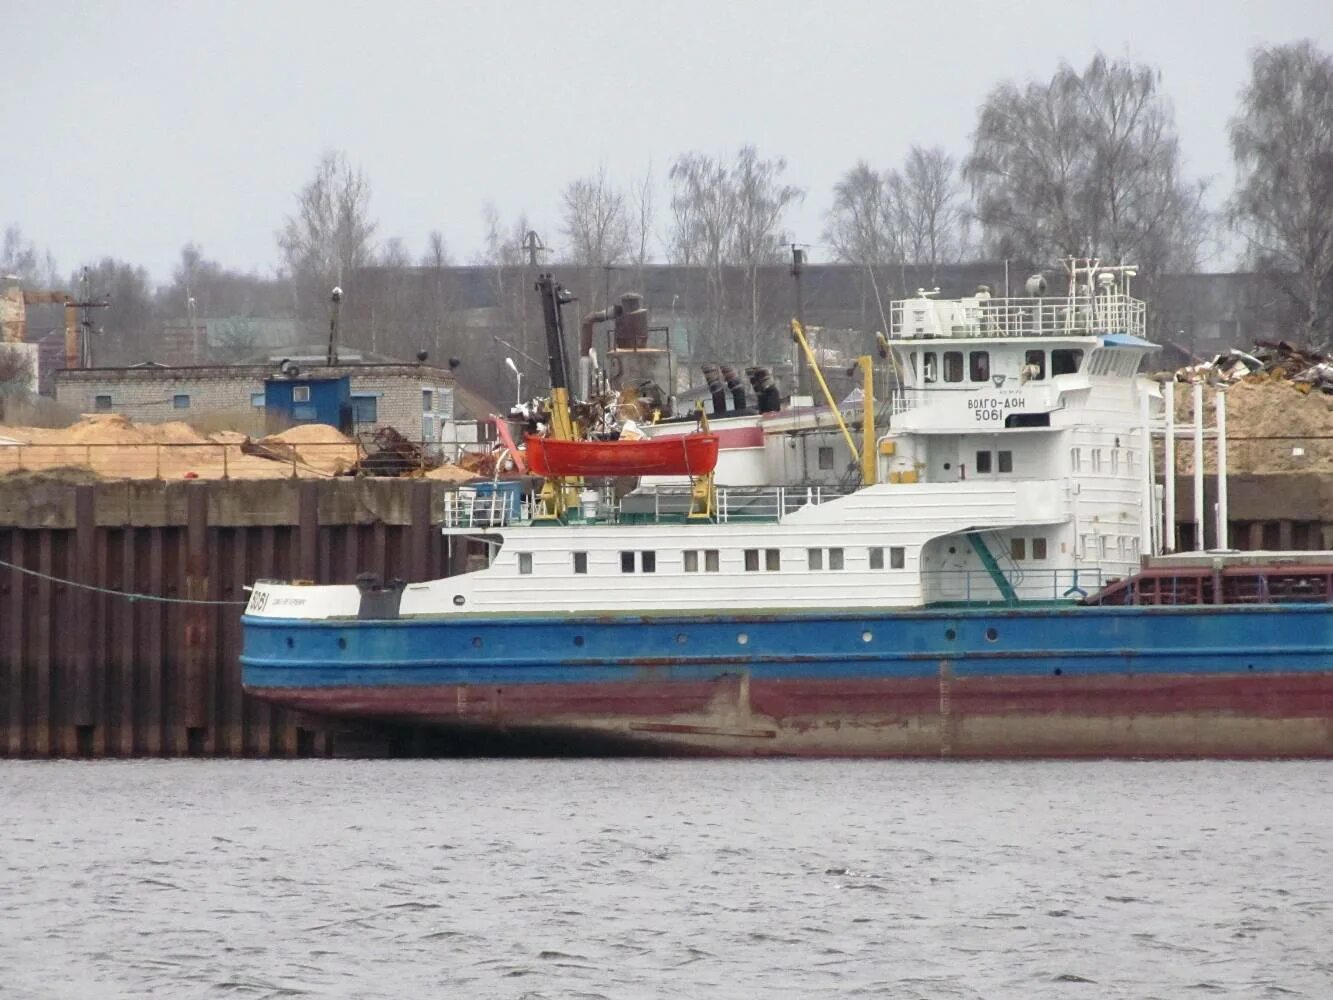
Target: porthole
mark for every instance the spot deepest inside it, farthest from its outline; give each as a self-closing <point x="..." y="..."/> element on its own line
<point x="578" y="640"/>
<point x="950" y="634"/>
<point x="290" y="642"/>
<point x="992" y="634"/>
<point x="1058" y="672"/>
<point x="342" y="642"/>
<point x="742" y="639"/>
<point x="459" y="600"/>
<point x="867" y="635"/>
<point x="680" y="638"/>
<point x="476" y="642"/>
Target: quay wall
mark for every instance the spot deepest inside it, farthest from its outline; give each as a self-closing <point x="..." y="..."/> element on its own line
<point x="94" y="673"/>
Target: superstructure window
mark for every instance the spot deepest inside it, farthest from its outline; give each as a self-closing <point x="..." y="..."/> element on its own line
<point x="1035" y="362"/>
<point x="710" y="560"/>
<point x="627" y="562"/>
<point x="648" y="561"/>
<point x="1038" y="548"/>
<point x="983" y="462"/>
<point x="1076" y="459"/>
<point x="897" y="557"/>
<point x="772" y="559"/>
<point x="752" y="560"/>
<point x="953" y="366"/>
<point x="826" y="458"/>
<point x="580" y="562"/>
<point x="1018" y="548"/>
<point x="691" y="561"/>
<point x="1096" y="460"/>
<point x="876" y="558"/>
<point x="815" y="558"/>
<point x="978" y="363"/>
<point x="1065" y="360"/>
<point x="525" y="563"/>
<point x="834" y="558"/>
<point x="1006" y="460"/>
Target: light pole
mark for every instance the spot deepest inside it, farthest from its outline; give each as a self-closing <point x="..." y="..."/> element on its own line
<point x="518" y="401"/>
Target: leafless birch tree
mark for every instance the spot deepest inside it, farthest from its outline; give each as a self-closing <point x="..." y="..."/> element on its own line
<point x="1282" y="139"/>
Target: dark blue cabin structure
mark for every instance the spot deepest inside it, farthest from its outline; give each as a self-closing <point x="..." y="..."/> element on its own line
<point x="308" y="399"/>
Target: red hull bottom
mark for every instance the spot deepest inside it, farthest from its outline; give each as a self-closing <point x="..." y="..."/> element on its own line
<point x="1253" y="716"/>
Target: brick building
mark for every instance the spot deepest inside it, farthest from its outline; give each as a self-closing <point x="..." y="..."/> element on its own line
<point x="422" y="402"/>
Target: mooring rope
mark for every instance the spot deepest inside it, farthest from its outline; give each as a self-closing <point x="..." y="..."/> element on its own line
<point x="128" y="595"/>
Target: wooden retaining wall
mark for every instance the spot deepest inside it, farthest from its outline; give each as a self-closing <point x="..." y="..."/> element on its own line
<point x="96" y="674"/>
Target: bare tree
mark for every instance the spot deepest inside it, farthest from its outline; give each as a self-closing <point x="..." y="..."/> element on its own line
<point x="859" y="226"/>
<point x="35" y="268"/>
<point x="926" y="208"/>
<point x="1282" y="139"/>
<point x="329" y="235"/>
<point x="761" y="201"/>
<point x="437" y="253"/>
<point x="1087" y="163"/>
<point x="643" y="219"/>
<point x="595" y="221"/>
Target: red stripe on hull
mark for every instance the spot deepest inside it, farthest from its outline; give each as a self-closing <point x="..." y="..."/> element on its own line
<point x="1285" y="715"/>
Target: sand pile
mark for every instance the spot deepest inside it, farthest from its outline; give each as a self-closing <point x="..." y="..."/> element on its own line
<point x="317" y="448"/>
<point x="1273" y="425"/>
<point x="113" y="447"/>
<point x="450" y="474"/>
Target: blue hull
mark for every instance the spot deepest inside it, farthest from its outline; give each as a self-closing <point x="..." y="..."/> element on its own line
<point x="1048" y="681"/>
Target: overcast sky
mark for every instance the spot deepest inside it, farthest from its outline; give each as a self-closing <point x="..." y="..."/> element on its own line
<point x="132" y="128"/>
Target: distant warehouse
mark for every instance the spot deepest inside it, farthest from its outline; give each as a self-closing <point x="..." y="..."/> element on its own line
<point x="421" y="402"/>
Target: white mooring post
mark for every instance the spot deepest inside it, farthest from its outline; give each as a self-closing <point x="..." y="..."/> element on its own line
<point x="1220" y="401"/>
<point x="1169" y="467"/>
<point x="1198" y="467"/>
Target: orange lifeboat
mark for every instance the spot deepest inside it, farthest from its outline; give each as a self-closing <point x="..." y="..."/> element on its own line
<point x="681" y="455"/>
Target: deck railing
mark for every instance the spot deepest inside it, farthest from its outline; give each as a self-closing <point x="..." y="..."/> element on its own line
<point x="1077" y="316"/>
<point x="977" y="586"/>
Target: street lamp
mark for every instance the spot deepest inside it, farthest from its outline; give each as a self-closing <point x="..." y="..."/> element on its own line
<point x="518" y="401"/>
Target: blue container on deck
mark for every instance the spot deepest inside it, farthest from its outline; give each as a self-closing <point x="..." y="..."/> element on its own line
<point x="500" y="496"/>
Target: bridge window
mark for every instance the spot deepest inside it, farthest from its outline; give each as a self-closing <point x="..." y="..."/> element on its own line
<point x="979" y="366"/>
<point x="929" y="373"/>
<point x="897" y="557"/>
<point x="1036" y="361"/>
<point x="1065" y="360"/>
<point x="953" y="366"/>
<point x="983" y="462"/>
<point x="525" y="563"/>
<point x="1006" y="460"/>
<point x="1038" y="548"/>
<point x="580" y="562"/>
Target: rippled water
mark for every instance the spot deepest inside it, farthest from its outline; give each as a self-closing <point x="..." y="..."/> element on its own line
<point x="642" y="878"/>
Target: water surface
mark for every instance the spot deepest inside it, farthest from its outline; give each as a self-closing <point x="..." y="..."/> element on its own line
<point x="633" y="878"/>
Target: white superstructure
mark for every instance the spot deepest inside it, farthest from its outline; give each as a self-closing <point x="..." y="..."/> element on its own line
<point x="1016" y="466"/>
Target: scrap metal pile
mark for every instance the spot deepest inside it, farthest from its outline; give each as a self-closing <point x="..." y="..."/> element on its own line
<point x="1269" y="361"/>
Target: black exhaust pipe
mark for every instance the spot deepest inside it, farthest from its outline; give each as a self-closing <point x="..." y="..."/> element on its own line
<point x="716" y="388"/>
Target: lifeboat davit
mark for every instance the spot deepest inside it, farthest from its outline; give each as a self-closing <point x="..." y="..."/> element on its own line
<point x="679" y="455"/>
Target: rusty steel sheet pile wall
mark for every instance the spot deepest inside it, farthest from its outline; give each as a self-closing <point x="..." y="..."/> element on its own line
<point x="93" y="673"/>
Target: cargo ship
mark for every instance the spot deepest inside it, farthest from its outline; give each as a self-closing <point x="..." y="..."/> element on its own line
<point x="988" y="576"/>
